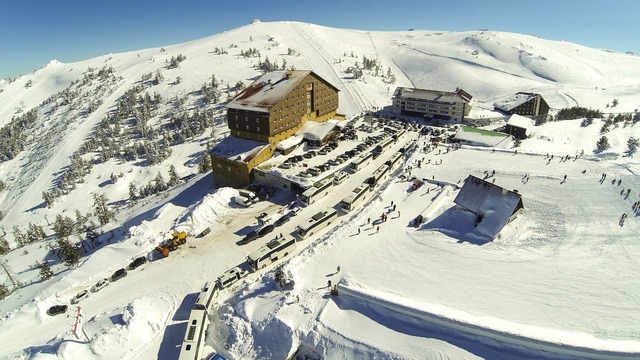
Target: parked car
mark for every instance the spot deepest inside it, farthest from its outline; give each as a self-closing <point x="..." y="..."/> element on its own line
<point x="137" y="262"/>
<point x="282" y="220"/>
<point x="265" y="230"/>
<point x="80" y="296"/>
<point x="100" y="285"/>
<point x="315" y="171"/>
<point x="119" y="274"/>
<point x="250" y="237"/>
<point x="294" y="211"/>
<point x="57" y="310"/>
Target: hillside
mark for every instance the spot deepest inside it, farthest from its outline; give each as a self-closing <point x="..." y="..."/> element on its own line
<point x="90" y="128"/>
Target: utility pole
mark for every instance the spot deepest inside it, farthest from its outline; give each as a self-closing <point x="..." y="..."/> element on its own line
<point x="6" y="270"/>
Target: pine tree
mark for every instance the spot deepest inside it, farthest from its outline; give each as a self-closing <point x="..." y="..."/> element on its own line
<point x="4" y="246"/>
<point x="101" y="210"/>
<point x="48" y="198"/>
<point x="45" y="271"/>
<point x="133" y="192"/>
<point x="205" y="164"/>
<point x="35" y="233"/>
<point x="4" y="291"/>
<point x="602" y="144"/>
<point x="19" y="237"/>
<point x="63" y="226"/>
<point x="173" y="176"/>
<point x="632" y="145"/>
<point x="80" y="221"/>
<point x="68" y="252"/>
<point x="160" y="184"/>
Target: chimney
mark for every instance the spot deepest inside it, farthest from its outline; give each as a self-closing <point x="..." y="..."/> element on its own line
<point x="287" y="75"/>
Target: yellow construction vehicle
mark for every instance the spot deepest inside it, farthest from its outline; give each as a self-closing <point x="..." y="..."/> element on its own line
<point x="177" y="239"/>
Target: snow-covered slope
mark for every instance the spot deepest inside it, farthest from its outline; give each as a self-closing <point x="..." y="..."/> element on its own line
<point x="544" y="287"/>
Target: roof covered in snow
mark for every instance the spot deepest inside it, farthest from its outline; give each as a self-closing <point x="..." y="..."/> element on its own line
<point x="316" y="131"/>
<point x="263" y="94"/>
<point x="482" y="137"/>
<point x="520" y="121"/>
<point x="458" y="96"/>
<point x="491" y="203"/>
<point x="237" y="149"/>
<point x="514" y="101"/>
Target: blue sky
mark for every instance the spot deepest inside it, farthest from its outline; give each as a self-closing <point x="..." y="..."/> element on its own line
<point x="32" y="32"/>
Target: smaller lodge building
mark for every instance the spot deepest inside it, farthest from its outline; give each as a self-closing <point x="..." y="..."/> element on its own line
<point x="433" y="104"/>
<point x="523" y="103"/>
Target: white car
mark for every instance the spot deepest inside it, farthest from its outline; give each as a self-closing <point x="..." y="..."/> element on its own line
<point x="100" y="285"/>
<point x="294" y="211"/>
<point x="80" y="296"/>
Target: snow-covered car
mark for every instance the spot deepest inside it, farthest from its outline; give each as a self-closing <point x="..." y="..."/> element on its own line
<point x="100" y="285"/>
<point x="80" y="296"/>
<point x="57" y="310"/>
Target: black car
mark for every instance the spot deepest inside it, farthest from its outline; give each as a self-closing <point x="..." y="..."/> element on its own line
<point x="250" y="237"/>
<point x="265" y="230"/>
<point x="137" y="262"/>
<point x="119" y="274"/>
<point x="283" y="219"/>
<point x="57" y="310"/>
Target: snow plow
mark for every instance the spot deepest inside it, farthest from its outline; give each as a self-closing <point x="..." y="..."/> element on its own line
<point x="177" y="239"/>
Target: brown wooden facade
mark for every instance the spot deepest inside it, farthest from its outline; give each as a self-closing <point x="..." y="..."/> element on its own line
<point x="277" y="105"/>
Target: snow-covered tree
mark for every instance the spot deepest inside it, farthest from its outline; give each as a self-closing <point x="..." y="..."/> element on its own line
<point x="101" y="210"/>
<point x="48" y="198"/>
<point x="133" y="191"/>
<point x="4" y="246"/>
<point x="4" y="291"/>
<point x="205" y="164"/>
<point x="160" y="184"/>
<point x="63" y="226"/>
<point x="602" y="144"/>
<point x="35" y="233"/>
<point x="45" y="270"/>
<point x="19" y="237"/>
<point x="68" y="252"/>
<point x="632" y="145"/>
<point x="173" y="176"/>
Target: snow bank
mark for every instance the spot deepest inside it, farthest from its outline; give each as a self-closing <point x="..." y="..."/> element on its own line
<point x="488" y="329"/>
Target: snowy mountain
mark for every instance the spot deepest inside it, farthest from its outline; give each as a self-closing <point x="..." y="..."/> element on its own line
<point x="556" y="282"/>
